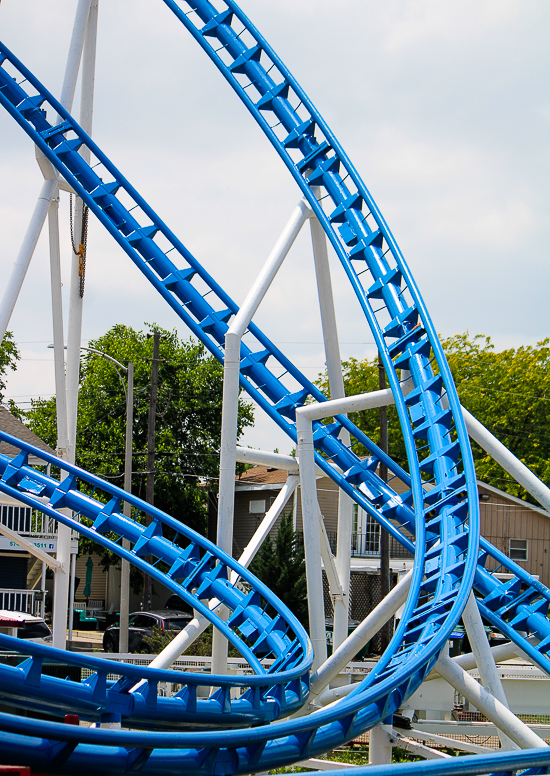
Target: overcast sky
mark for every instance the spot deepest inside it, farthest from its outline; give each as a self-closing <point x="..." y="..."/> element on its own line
<point x="443" y="106"/>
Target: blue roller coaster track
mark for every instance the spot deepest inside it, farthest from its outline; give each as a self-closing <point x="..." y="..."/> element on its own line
<point x="225" y="730"/>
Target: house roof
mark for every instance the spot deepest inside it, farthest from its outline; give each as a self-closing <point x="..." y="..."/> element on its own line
<point x="262" y="475"/>
<point x="11" y="425"/>
<point x="269" y="475"/>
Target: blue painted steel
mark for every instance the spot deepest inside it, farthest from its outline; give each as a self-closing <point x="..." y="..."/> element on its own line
<point x="443" y="517"/>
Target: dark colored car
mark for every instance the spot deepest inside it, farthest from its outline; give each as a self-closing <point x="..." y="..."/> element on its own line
<point x="140" y="626"/>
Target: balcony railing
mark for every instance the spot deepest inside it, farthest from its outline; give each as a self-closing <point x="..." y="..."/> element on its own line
<point x="367" y="545"/>
<point x="21" y="600"/>
<point x="27" y="521"/>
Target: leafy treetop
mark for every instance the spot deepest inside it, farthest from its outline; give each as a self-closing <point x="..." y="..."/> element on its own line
<point x="507" y="391"/>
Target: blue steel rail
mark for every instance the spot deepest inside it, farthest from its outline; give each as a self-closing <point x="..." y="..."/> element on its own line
<point x="444" y="518"/>
<point x="258" y="625"/>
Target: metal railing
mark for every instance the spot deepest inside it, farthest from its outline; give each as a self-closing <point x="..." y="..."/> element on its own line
<point x="367" y="545"/>
<point x="27" y="521"/>
<point x="20" y="600"/>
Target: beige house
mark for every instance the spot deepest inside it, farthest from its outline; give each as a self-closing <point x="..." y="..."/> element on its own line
<point x="517" y="528"/>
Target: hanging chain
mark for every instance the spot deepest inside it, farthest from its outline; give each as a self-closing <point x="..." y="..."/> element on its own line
<point x="81" y="250"/>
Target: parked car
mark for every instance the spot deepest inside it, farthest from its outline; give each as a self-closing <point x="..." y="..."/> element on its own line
<point x="140" y="626"/>
<point x="31" y="628"/>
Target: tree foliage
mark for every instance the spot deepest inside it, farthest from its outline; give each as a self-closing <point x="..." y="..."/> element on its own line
<point x="9" y="356"/>
<point x="507" y="391"/>
<point x="187" y="425"/>
<point x="281" y="566"/>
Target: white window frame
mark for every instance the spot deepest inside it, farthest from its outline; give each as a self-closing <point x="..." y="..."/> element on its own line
<point x="517" y="548"/>
<point x="257" y="506"/>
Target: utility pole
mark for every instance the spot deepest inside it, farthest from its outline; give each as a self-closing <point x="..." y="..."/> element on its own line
<point x="150" y="482"/>
<point x="385" y="632"/>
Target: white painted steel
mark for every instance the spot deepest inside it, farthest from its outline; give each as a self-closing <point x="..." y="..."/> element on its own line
<point x="485" y="702"/>
<point x="330" y="565"/>
<point x="84" y="39"/>
<point x="72" y="580"/>
<point x="230" y="402"/>
<point x="339" y="591"/>
<point x="381" y="743"/>
<point x="58" y="337"/>
<point x="484" y="659"/>
<point x="21" y="264"/>
<point x="75" y="54"/>
<point x="357" y="640"/>
<point x="312" y="539"/>
<point x="262" y="458"/>
<point x="452" y="743"/>
<point x="415" y="747"/>
<point x="507" y="460"/>
<point x="362" y="401"/>
<point x="299" y="216"/>
<point x="267" y="523"/>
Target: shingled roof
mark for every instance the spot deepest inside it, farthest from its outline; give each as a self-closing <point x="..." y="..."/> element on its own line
<point x="11" y="425"/>
<point x="262" y="475"/>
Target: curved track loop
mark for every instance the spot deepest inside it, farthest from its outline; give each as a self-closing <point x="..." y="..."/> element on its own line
<point x="258" y="625"/>
<point x="441" y="506"/>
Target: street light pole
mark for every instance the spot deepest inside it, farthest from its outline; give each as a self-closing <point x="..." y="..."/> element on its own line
<point x="125" y="565"/>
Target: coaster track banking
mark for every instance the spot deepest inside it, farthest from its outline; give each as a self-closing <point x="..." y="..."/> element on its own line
<point x="444" y="519"/>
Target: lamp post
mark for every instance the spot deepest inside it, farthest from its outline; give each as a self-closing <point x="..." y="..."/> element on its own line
<point x="125" y="565"/>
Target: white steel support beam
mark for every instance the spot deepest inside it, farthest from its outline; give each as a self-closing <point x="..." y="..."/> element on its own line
<point x="381" y="742"/>
<point x="336" y="384"/>
<point x="485" y="702"/>
<point x="357" y="640"/>
<point x="21" y="264"/>
<point x="485" y="660"/>
<point x="49" y="187"/>
<point x="262" y="458"/>
<point x="333" y="578"/>
<point x="231" y="371"/>
<point x="312" y="538"/>
<point x="267" y="523"/>
<point x="58" y="338"/>
<point x="507" y="460"/>
<point x="83" y="40"/>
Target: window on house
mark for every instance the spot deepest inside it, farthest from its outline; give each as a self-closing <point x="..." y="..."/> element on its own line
<point x="518" y="549"/>
<point x="257" y="507"/>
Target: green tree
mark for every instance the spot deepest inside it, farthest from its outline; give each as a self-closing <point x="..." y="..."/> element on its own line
<point x="9" y="356"/>
<point x="507" y="391"/>
<point x="187" y="425"/>
<point x="281" y="566"/>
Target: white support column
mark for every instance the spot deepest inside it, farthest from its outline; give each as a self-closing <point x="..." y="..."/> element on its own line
<point x="21" y="264"/>
<point x="58" y="337"/>
<point x="484" y="659"/>
<point x="49" y="187"/>
<point x="312" y="539"/>
<point x="71" y="594"/>
<point x="267" y="523"/>
<point x="336" y="383"/>
<point x="232" y="358"/>
<point x="381" y="742"/>
<point x="357" y="640"/>
<point x="61" y="602"/>
<point x="485" y="702"/>
<point x="84" y="37"/>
